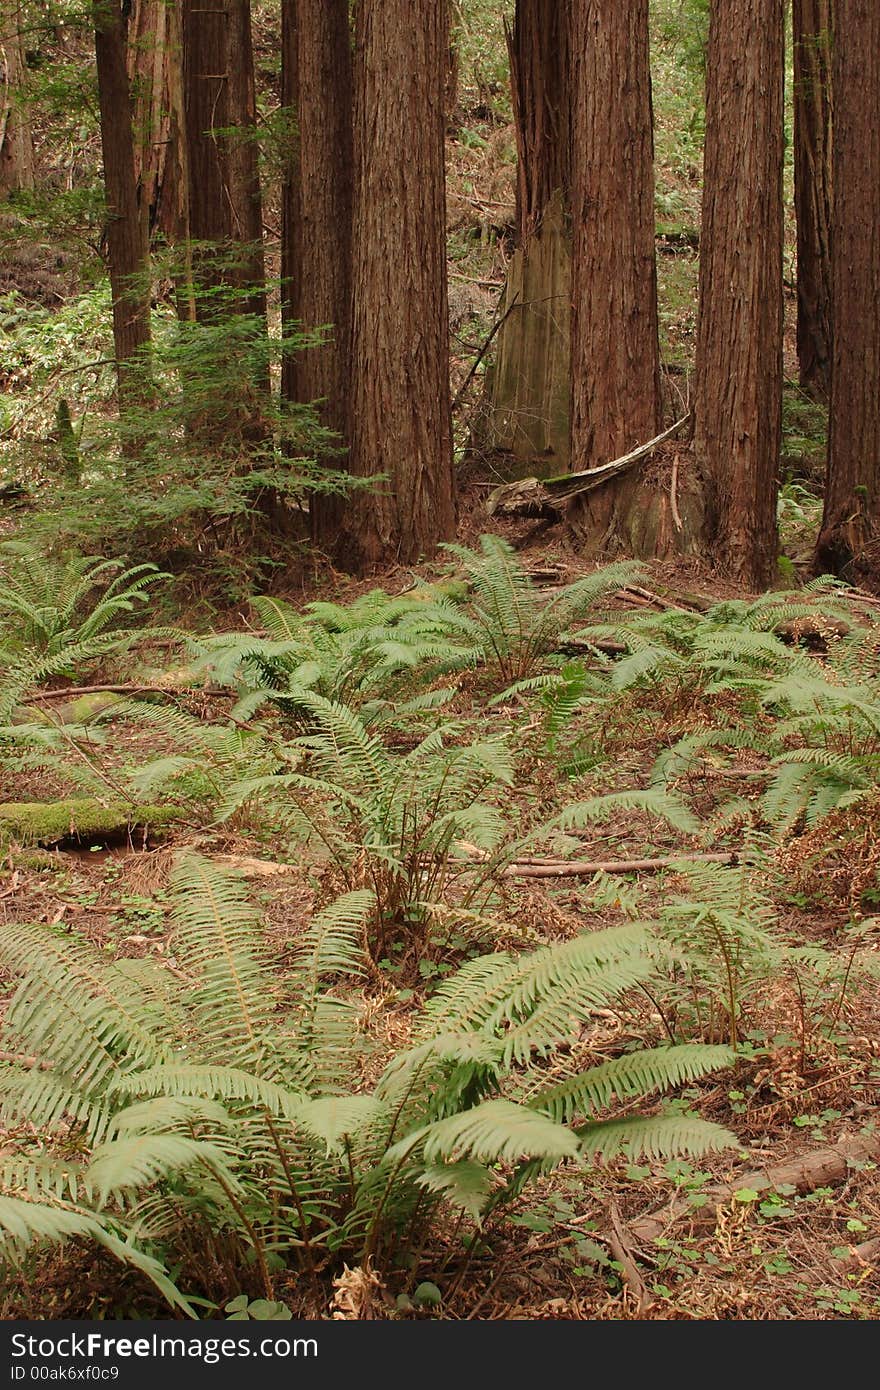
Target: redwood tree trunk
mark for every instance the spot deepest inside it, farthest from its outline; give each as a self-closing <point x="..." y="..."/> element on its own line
<point x="849" y="542"/>
<point x="126" y="246"/>
<point x="615" y="353"/>
<point x="243" y="166"/>
<point x="527" y="423"/>
<point x="317" y="220"/>
<point x="206" y="111"/>
<point x="401" y="421"/>
<point x="16" y="144"/>
<point x="538" y="47"/>
<point x="738" y="395"/>
<point x="147" y="72"/>
<point x="813" y="190"/>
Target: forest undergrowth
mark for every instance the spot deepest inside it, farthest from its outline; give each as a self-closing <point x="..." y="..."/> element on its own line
<point x="491" y="938"/>
<point x="497" y="944"/>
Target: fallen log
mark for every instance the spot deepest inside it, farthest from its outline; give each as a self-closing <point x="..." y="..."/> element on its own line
<point x="74" y="691"/>
<point x="80" y="819"/>
<point x="583" y="868"/>
<point x="533" y="496"/>
<point x="821" y="1168"/>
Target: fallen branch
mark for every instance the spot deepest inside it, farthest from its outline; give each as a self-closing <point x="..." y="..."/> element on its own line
<point x="74" y="691"/>
<point x="821" y="1168"/>
<point x="556" y="493"/>
<point x="583" y="868"/>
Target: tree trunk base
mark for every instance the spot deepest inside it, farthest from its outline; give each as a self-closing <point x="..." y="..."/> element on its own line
<point x="656" y="513"/>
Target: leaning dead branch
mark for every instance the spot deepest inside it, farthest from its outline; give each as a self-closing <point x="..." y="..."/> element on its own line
<point x="532" y="495"/>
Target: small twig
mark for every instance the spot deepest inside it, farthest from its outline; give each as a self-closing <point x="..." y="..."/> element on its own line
<point x="620" y="1249"/>
<point x="483" y="350"/>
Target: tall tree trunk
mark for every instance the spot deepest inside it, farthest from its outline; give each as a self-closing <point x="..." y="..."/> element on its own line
<point x="538" y="47"/>
<point x="291" y="191"/>
<point x="148" y="27"/>
<point x="616" y="400"/>
<point x="812" y="21"/>
<point x="225" y="217"/>
<point x="16" y="143"/>
<point x="126" y="246"/>
<point x="401" y="421"/>
<point x="243" y="173"/>
<point x="206" y="105"/>
<point x="528" y="409"/>
<point x="738" y="394"/>
<point x="317" y="220"/>
<point x="849" y="542"/>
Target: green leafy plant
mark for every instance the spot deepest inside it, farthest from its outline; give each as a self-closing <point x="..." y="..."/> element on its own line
<point x="513" y="628"/>
<point x="58" y="616"/>
<point x="214" y="1106"/>
<point x="367" y="655"/>
<point x="416" y="826"/>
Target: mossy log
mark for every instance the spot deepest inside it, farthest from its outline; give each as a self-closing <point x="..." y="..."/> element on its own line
<point x="80" y="819"/>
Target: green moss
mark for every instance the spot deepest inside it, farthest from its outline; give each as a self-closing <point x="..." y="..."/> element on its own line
<point x="82" y="818"/>
<point x="36" y="861"/>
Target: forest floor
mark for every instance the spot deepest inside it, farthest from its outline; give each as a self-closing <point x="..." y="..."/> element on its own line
<point x="788" y="1225"/>
<point x="785" y="1228"/>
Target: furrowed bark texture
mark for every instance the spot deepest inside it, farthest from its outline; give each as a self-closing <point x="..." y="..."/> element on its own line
<point x="16" y="140"/>
<point x="401" y="419"/>
<point x="526" y="424"/>
<point x="849" y="542"/>
<point x="615" y="355"/>
<point x="243" y="164"/>
<point x="206" y="92"/>
<point x="538" y="51"/>
<point x="290" y="188"/>
<point x="148" y="29"/>
<point x="126" y="246"/>
<point x="318" y="221"/>
<point x="813" y="190"/>
<point x="738" y="395"/>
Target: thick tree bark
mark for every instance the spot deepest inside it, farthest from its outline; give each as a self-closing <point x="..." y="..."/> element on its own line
<point x="401" y="419"/>
<point x="538" y="47"/>
<point x="126" y="246"/>
<point x="813" y="190"/>
<point x="16" y="143"/>
<point x="225" y="209"/>
<point x="243" y="163"/>
<point x="849" y="542"/>
<point x="616" y="400"/>
<point x="147" y="72"/>
<point x="291" y="189"/>
<point x="738" y="395"/>
<point x="527" y="423"/>
<point x="206" y="107"/>
<point x="317" y="220"/>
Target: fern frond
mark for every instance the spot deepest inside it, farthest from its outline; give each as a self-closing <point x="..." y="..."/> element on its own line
<point x="497" y="1131"/>
<point x="635" y="1073"/>
<point x="656" y="1137"/>
<point x="218" y="929"/>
